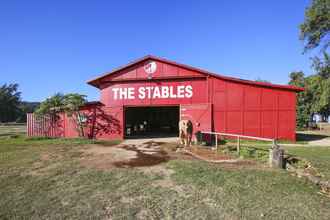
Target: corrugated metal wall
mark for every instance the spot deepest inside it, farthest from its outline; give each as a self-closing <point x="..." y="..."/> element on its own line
<point x="45" y="126"/>
<point x="252" y="110"/>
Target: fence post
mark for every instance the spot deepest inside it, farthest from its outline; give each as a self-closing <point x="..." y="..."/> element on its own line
<point x="238" y="144"/>
<point x="274" y="142"/>
<point x="216" y="142"/>
<point x="276" y="157"/>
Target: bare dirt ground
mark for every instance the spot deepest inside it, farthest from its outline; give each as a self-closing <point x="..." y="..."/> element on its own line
<point x="149" y="155"/>
<point x="125" y="155"/>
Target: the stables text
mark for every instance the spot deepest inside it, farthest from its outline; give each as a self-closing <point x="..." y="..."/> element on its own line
<point x="153" y="92"/>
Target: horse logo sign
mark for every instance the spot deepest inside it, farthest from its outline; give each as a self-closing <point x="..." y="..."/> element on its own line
<point x="150" y="68"/>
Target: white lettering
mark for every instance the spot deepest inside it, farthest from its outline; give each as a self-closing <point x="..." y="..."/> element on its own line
<point x="156" y="93"/>
<point x="115" y="93"/>
<point x="189" y="91"/>
<point x="180" y="90"/>
<point x="153" y="92"/>
<point x="149" y="91"/>
<point x="131" y="93"/>
<point x="123" y="93"/>
<point x="172" y="95"/>
<point x="142" y="93"/>
<point x="165" y="92"/>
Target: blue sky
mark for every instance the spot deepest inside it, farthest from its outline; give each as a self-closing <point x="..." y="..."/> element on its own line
<point x="56" y="46"/>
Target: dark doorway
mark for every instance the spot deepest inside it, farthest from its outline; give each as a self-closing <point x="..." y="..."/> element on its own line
<point x="144" y="122"/>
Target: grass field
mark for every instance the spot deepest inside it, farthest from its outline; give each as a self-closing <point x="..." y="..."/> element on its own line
<point x="45" y="179"/>
<point x="318" y="156"/>
<point x="6" y="131"/>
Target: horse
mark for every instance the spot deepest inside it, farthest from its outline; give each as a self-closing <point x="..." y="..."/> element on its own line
<point x="185" y="132"/>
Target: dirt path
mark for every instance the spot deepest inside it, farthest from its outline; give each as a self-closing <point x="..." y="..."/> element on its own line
<point x="325" y="142"/>
<point x="322" y="142"/>
<point x="144" y="140"/>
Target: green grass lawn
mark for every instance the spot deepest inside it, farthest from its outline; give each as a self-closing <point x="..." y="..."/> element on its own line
<point x="44" y="179"/>
<point x="318" y="156"/>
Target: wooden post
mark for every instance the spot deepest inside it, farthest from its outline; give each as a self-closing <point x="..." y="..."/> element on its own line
<point x="238" y="145"/>
<point x="276" y="157"/>
<point x="216" y="142"/>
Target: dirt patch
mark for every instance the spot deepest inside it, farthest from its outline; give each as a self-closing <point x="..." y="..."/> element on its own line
<point x="149" y="154"/>
<point x="100" y="157"/>
<point x="124" y="156"/>
<point x="45" y="157"/>
<point x="115" y="153"/>
<point x="144" y="157"/>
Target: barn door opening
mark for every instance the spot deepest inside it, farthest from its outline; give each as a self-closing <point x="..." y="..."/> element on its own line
<point x="149" y="122"/>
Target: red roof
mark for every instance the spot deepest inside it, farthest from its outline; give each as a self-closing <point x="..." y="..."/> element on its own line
<point x="96" y="81"/>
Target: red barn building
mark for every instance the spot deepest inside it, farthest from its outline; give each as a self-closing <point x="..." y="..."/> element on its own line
<point x="150" y="95"/>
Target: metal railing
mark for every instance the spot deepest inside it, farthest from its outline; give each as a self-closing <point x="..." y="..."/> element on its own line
<point x="238" y="136"/>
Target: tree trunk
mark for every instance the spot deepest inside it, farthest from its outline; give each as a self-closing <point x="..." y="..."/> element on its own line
<point x="80" y="125"/>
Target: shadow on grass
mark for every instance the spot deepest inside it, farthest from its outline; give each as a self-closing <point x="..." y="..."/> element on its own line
<point x="6" y="134"/>
<point x="310" y="137"/>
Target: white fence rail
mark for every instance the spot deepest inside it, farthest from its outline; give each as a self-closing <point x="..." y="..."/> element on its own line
<point x="238" y="136"/>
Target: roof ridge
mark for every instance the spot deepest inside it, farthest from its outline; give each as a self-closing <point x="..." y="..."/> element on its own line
<point x="206" y="72"/>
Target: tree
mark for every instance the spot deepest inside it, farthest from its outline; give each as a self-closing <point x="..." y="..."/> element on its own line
<point x="316" y="27"/>
<point x="318" y="88"/>
<point x="315" y="32"/>
<point x="304" y="111"/>
<point x="315" y="99"/>
<point x="26" y="107"/>
<point x="10" y="99"/>
<point x="49" y="110"/>
<point x="321" y="84"/>
<point x="297" y="79"/>
<point x="72" y="104"/>
<point x="322" y="66"/>
<point x="51" y="106"/>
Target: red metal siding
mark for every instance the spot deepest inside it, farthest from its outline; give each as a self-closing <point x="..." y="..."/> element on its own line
<point x="199" y="114"/>
<point x="70" y="127"/>
<point x="253" y="110"/>
<point x="163" y="70"/>
<point x="44" y="126"/>
<point x="113" y="121"/>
